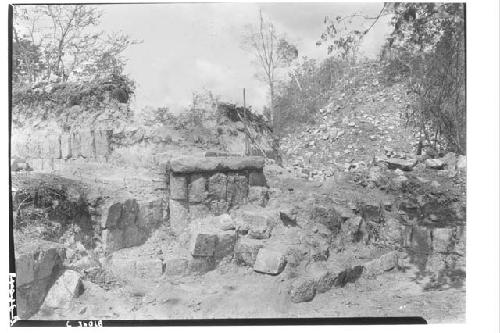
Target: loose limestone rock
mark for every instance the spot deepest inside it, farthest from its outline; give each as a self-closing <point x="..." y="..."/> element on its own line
<point x="68" y="286"/>
<point x="257" y="223"/>
<point x="269" y="261"/>
<point x="402" y="164"/>
<point x="203" y="245"/>
<point x="246" y="250"/>
<point x="323" y="279"/>
<point x="380" y="265"/>
<point x="302" y="290"/>
<point x="351" y="229"/>
<point x="434" y="163"/>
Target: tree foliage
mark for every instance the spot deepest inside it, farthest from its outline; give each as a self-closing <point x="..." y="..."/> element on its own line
<point x="426" y="50"/>
<point x="61" y="42"/>
<point x="342" y="39"/>
<point x="271" y="51"/>
<point x="60" y="59"/>
<point x="427" y="46"/>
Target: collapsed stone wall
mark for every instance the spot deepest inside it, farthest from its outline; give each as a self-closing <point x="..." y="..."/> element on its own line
<point x="130" y="222"/>
<point x="201" y="186"/>
<point x="51" y="150"/>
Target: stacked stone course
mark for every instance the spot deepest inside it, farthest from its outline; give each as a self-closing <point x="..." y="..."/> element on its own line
<point x="203" y="186"/>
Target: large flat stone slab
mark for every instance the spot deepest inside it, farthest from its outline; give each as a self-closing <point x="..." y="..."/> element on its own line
<point x="191" y="164"/>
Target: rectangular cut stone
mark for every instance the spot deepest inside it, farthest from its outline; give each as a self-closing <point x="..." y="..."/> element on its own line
<point x="150" y="213"/>
<point x="37" y="164"/>
<point x="225" y="244"/>
<point x="102" y="142"/>
<point x="237" y="189"/>
<point x="203" y="245"/>
<point x="398" y="163"/>
<point x="198" y="211"/>
<point x="149" y="268"/>
<point x="75" y="144"/>
<point x="257" y="178"/>
<point x="87" y="146"/>
<point x="218" y="207"/>
<point x="178" y="187"/>
<point x="269" y="262"/>
<point x="197" y="188"/>
<point x="217" y="187"/>
<point x="179" y="216"/>
<point x="65" y="145"/>
<point x="190" y="164"/>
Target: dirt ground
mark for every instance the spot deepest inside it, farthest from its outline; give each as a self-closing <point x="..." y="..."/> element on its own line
<point x="238" y="292"/>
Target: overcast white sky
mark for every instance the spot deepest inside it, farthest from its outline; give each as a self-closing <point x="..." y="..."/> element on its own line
<point x="189" y="47"/>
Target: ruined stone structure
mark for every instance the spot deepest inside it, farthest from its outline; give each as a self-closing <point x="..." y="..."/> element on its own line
<point x="51" y="151"/>
<point x="37" y="266"/>
<point x="202" y="186"/>
<point x="129" y="223"/>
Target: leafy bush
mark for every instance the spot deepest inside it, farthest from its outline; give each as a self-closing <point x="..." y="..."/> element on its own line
<point x="308" y="89"/>
<point x="57" y="98"/>
<point x="427" y="51"/>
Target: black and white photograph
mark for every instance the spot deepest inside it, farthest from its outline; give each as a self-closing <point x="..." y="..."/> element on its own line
<point x="238" y="161"/>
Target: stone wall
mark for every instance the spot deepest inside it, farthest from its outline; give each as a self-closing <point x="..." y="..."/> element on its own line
<point x="51" y="150"/>
<point x="129" y="223"/>
<point x="202" y="186"/>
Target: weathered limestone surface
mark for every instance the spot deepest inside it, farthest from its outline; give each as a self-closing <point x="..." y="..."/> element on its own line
<point x="210" y="186"/>
<point x="129" y="223"/>
<point x="37" y="266"/>
<point x="48" y="151"/>
<point x="190" y="164"/>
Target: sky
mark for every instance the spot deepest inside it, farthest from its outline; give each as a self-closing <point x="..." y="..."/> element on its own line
<point x="190" y="47"/>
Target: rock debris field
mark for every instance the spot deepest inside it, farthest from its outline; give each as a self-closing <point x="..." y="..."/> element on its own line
<point x="351" y="222"/>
